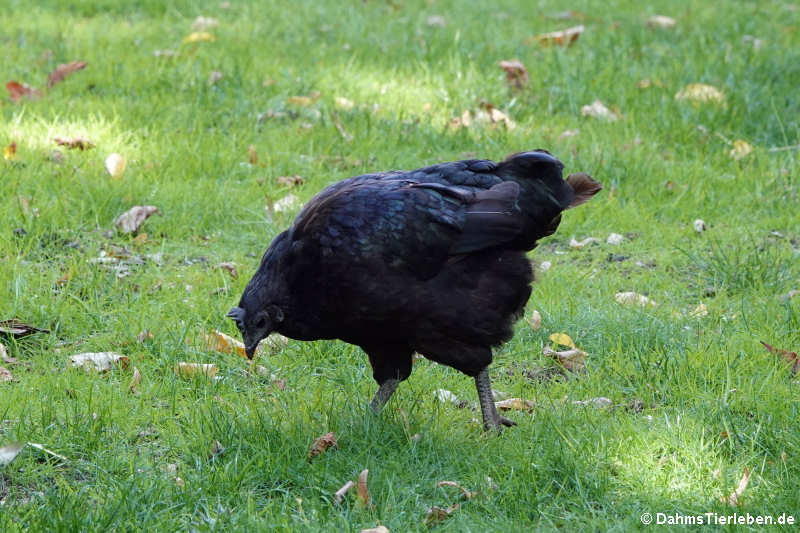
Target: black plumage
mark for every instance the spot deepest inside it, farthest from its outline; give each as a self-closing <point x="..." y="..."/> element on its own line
<point x="429" y="260"/>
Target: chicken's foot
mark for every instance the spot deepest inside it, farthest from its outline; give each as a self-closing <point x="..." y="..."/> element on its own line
<point x="383" y="394"/>
<point x="491" y="419"/>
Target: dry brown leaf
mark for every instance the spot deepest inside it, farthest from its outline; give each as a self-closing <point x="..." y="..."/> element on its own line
<point x="9" y="452"/>
<point x="143" y="336"/>
<point x="376" y="529"/>
<point x="230" y="267"/>
<point x="661" y="21"/>
<point x="63" y="280"/>
<point x="535" y="321"/>
<point x="598" y="109"/>
<point x="573" y="360"/>
<point x="321" y="444"/>
<point x="494" y="116"/>
<point x="252" y="155"/>
<point x="17" y="91"/>
<point x="633" y="298"/>
<point x="136" y="380"/>
<point x="199" y="37"/>
<point x="789" y="357"/>
<point x="5" y="374"/>
<point x="735" y="496"/>
<point x="100" y="361"/>
<point x="16" y="328"/>
<point x="516" y="404"/>
<point x="75" y="143"/>
<point x="558" y="38"/>
<point x="221" y="342"/>
<point x="215" y="449"/>
<point x="303" y="101"/>
<point x="516" y="73"/>
<point x="362" y="490"/>
<point x="700" y="93"/>
<point x="115" y="165"/>
<point x="130" y="220"/>
<point x="465" y="494"/>
<point x="436" y="514"/>
<point x="699" y="311"/>
<point x="290" y="181"/>
<point x="340" y="494"/>
<point x="63" y="70"/>
<point x="273" y="343"/>
<point x="10" y="152"/>
<point x="5" y="357"/>
<point x="189" y="370"/>
<point x="464" y="121"/>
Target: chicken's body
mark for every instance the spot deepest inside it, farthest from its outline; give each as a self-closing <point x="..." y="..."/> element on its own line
<point x="430" y="260"/>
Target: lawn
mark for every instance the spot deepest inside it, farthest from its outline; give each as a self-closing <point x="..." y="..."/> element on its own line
<point x="209" y="119"/>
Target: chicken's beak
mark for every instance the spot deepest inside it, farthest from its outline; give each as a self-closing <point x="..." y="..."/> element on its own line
<point x="250" y="350"/>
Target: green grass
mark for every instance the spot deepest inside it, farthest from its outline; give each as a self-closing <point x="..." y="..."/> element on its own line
<point x="714" y="401"/>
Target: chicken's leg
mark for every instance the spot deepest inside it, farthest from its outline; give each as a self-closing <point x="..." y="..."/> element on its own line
<point x="383" y="394"/>
<point x="491" y="419"/>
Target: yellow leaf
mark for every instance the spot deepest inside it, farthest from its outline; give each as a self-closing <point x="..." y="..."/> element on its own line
<point x="216" y="340"/>
<point x="563" y="339"/>
<point x="741" y="149"/>
<point x="10" y="152"/>
<point x="115" y="164"/>
<point x="515" y="404"/>
<point x="300" y="100"/>
<point x="700" y="93"/>
<point x="199" y="36"/>
<point x="188" y="370"/>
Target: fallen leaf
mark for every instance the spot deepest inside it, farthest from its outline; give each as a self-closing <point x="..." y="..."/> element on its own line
<point x="736" y="495"/>
<point x="77" y="142"/>
<point x="252" y="155"/>
<point x="115" y="165"/>
<point x="189" y="370"/>
<point x="464" y="121"/>
<point x="633" y="298"/>
<point x="580" y="244"/>
<point x="273" y="343"/>
<point x="5" y="357"/>
<point x="215" y="449"/>
<point x="535" y="321"/>
<point x="48" y="452"/>
<point x="573" y="360"/>
<point x="445" y="396"/>
<point x="699" y="225"/>
<point x="202" y="23"/>
<point x="136" y="380"/>
<point x="9" y="452"/>
<point x="436" y="20"/>
<point x="516" y="404"/>
<point x="25" y="204"/>
<point x="321" y="444"/>
<point x="494" y="116"/>
<point x="301" y="100"/>
<point x="559" y="38"/>
<point x="15" y="328"/>
<point x="516" y="73"/>
<point x="661" y="21"/>
<point x="143" y="336"/>
<point x="199" y="37"/>
<point x="362" y="491"/>
<point x="230" y="267"/>
<point x="699" y="312"/>
<point x="290" y="181"/>
<point x="343" y="103"/>
<point x="436" y="514"/>
<point x="786" y="355"/>
<point x="741" y="149"/>
<point x="615" y="238"/>
<point x="700" y="93"/>
<point x="598" y="109"/>
<point x="376" y="529"/>
<point x="130" y="220"/>
<point x="63" y="70"/>
<point x="465" y="494"/>
<point x="562" y="339"/>
<point x="100" y="361"/>
<point x="646" y="83"/>
<point x="601" y="401"/>
<point x="566" y="134"/>
<point x="221" y="342"/>
<point x="10" y="152"/>
<point x="214" y="77"/>
<point x="5" y="374"/>
<point x="17" y="91"/>
<point x="63" y="280"/>
<point x="340" y="494"/>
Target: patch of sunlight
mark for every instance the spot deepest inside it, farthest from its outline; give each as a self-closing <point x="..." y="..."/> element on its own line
<point x="670" y="458"/>
<point x="38" y="134"/>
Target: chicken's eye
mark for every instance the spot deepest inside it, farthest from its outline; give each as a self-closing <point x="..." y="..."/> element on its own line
<point x="261" y="323"/>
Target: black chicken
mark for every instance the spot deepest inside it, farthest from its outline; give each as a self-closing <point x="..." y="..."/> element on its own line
<point x="429" y="260"/>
